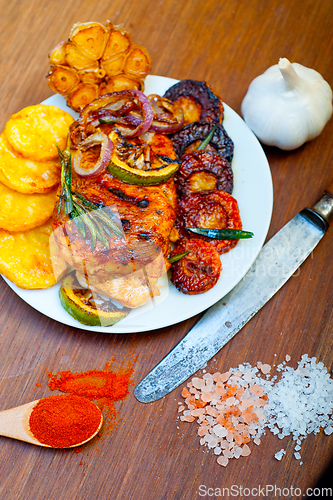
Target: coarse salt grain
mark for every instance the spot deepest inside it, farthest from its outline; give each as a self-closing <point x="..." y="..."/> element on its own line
<point x="222" y="461"/>
<point x="280" y="454"/>
<point x="245" y="451"/>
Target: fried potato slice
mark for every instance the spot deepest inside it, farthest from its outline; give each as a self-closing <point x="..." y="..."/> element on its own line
<point x="26" y="176"/>
<point x="25" y="257"/>
<point x="36" y="131"/>
<point x="20" y="212"/>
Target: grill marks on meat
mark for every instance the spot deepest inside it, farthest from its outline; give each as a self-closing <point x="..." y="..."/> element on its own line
<point x="143" y="203"/>
<point x="147" y="215"/>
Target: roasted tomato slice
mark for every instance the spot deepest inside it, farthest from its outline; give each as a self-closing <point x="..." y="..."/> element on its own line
<point x="203" y="171"/>
<point x="190" y="137"/>
<point x="199" y="270"/>
<point x="214" y="210"/>
<point x="197" y="100"/>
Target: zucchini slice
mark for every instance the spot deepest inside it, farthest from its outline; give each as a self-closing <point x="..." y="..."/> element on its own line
<point x="80" y="304"/>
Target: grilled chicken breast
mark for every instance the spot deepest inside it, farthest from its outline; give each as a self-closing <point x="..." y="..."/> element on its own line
<point x="146" y="215"/>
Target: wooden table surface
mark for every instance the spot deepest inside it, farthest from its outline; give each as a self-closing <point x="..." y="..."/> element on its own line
<point x="151" y="455"/>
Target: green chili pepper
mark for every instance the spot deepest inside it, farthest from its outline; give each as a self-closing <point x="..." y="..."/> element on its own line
<point x="221" y="234"/>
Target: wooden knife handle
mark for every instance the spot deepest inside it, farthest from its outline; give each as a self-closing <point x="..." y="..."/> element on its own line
<point x="329" y="190"/>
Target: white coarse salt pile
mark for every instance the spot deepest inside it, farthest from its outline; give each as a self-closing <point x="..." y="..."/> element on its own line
<point x="235" y="407"/>
<point x="301" y="402"/>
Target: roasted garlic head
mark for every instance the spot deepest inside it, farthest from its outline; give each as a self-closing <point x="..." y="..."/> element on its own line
<point x="96" y="60"/>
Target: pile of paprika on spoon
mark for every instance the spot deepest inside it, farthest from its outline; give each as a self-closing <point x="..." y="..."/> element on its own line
<point x="64" y="421"/>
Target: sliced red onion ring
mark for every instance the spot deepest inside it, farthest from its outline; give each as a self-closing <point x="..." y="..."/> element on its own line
<point x="109" y="101"/>
<point x="134" y="118"/>
<point x="100" y="102"/>
<point x="104" y="157"/>
<point x="168" y="117"/>
<point x="147" y="116"/>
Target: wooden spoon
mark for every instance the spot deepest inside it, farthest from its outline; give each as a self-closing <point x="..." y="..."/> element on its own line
<point x="14" y="423"/>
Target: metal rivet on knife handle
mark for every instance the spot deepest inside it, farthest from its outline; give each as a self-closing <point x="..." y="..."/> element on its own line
<point x="325" y="205"/>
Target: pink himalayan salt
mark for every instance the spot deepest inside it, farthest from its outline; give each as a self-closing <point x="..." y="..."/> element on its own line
<point x="265" y="369"/>
<point x="224" y="376"/>
<point x="246" y="450"/>
<point x="206" y="397"/>
<point x="222" y="461"/>
<point x="256" y="389"/>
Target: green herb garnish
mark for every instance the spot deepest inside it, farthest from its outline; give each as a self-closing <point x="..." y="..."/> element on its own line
<point x="107" y="121"/>
<point x="84" y="213"/>
<point x="221" y="234"/>
<point x="207" y="140"/>
<point x="177" y="257"/>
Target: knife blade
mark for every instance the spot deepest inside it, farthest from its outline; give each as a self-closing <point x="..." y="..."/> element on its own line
<point x="276" y="263"/>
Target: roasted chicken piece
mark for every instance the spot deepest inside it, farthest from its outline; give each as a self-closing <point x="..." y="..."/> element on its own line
<point x="129" y="269"/>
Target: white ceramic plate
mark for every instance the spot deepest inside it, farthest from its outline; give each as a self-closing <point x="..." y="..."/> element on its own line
<point x="254" y="192"/>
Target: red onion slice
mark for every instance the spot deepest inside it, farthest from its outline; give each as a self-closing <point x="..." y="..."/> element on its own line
<point x="114" y="102"/>
<point x="131" y="119"/>
<point x="168" y="117"/>
<point x="104" y="157"/>
<point x="147" y="116"/>
<point x="100" y="102"/>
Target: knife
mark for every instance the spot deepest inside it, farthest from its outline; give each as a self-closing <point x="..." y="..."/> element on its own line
<point x="276" y="263"/>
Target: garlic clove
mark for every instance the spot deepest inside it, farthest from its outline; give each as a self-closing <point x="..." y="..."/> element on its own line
<point x="287" y="105"/>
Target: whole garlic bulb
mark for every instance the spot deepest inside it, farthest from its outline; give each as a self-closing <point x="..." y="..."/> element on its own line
<point x="287" y="105"/>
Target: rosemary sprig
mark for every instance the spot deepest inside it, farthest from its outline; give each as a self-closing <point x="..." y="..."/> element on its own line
<point x="84" y="213"/>
<point x="66" y="179"/>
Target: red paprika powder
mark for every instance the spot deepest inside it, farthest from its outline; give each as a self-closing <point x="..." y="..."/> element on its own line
<point x="64" y="420"/>
<point x="103" y="386"/>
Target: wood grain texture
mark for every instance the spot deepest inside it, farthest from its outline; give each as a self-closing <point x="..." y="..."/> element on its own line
<point x="151" y="455"/>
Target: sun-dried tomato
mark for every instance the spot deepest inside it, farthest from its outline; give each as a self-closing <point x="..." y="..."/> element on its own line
<point x="199" y="270"/>
<point x="214" y="210"/>
<point x="203" y="171"/>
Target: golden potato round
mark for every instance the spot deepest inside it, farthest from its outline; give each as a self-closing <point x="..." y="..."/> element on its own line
<point x="26" y="176"/>
<point x="20" y="212"/>
<point x="25" y="257"/>
<point x="35" y="131"/>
